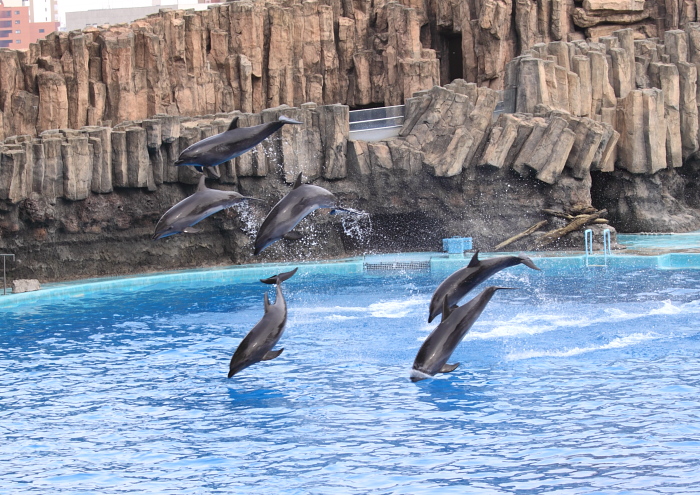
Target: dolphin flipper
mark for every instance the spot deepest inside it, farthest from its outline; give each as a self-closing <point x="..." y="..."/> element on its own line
<point x="448" y="367"/>
<point x="272" y="355"/>
<point x="191" y="230"/>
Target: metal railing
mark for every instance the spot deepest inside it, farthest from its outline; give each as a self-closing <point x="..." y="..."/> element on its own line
<point x="4" y="278"/>
<point x="374" y="124"/>
<point x="588" y="241"/>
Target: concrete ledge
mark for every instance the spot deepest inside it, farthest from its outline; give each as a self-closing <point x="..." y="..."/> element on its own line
<point x="25" y="285"/>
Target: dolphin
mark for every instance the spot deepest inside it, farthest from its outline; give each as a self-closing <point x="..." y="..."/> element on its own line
<point x="229" y="144"/>
<point x="195" y="208"/>
<point x="290" y="210"/>
<point x="438" y="347"/>
<point x="457" y="285"/>
<point x="257" y="345"/>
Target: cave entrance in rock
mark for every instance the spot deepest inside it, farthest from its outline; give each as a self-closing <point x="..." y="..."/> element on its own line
<point x="451" y="59"/>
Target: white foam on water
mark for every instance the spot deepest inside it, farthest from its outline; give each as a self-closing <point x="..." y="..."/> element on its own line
<point x="667" y="309"/>
<point x="395" y="309"/>
<point x="531" y="324"/>
<point x="329" y="309"/>
<point x="419" y="374"/>
<point x="617" y="343"/>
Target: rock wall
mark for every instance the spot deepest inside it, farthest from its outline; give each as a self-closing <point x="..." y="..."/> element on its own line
<point x="80" y="203"/>
<point x="249" y="55"/>
<point x="245" y="55"/>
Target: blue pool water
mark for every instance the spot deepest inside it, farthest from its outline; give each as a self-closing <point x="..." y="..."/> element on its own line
<point x="685" y="241"/>
<point x="579" y="383"/>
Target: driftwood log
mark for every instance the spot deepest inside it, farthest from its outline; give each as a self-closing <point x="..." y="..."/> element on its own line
<point x="525" y="233"/>
<point x="575" y="224"/>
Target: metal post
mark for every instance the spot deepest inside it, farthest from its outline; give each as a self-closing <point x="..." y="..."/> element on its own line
<point x="4" y="279"/>
<point x="588" y="244"/>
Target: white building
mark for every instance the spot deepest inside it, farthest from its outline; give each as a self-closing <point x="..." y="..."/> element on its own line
<point x="44" y="11"/>
<point x="80" y="20"/>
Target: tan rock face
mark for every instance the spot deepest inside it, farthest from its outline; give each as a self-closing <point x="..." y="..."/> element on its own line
<point x="250" y="55"/>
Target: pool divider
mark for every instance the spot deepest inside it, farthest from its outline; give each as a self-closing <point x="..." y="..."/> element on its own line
<point x="440" y="264"/>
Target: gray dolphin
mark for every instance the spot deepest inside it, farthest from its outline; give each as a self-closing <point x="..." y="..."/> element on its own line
<point x="290" y="210"/>
<point x="229" y="144"/>
<point x="438" y="347"/>
<point x="257" y="345"/>
<point x="457" y="285"/>
<point x="195" y="208"/>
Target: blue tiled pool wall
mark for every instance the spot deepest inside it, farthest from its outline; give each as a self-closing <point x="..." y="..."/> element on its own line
<point x="439" y="265"/>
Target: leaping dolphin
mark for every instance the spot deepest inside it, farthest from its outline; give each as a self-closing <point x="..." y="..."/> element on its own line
<point x="229" y="144"/>
<point x="457" y="285"/>
<point x="290" y="210"/>
<point x="195" y="208"/>
<point x="257" y="345"/>
<point x="438" y="347"/>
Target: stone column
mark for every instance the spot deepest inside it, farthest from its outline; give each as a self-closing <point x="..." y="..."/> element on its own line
<point x="532" y="85"/>
<point x="77" y="168"/>
<point x="688" y="107"/>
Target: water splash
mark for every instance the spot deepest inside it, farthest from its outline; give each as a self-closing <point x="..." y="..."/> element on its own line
<point x="357" y="224"/>
<point x="249" y="222"/>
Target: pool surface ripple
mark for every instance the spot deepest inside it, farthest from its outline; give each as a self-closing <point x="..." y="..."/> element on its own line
<point x="573" y="385"/>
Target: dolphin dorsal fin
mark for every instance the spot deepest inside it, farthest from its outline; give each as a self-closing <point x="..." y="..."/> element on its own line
<point x="446" y="309"/>
<point x="297" y="182"/>
<point x="233" y="125"/>
<point x="475" y="260"/>
<point x="202" y="183"/>
<point x="266" y="302"/>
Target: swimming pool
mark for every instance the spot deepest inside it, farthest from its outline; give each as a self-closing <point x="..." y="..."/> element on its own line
<point x="581" y="382"/>
<point x="684" y="241"/>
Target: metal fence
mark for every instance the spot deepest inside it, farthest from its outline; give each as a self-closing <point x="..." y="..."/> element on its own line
<point x="375" y="124"/>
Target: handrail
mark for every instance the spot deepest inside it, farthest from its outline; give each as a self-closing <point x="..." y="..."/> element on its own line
<point x="588" y="246"/>
<point x="4" y="279"/>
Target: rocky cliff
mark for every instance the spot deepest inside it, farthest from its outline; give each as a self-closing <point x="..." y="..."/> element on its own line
<point x="609" y="121"/>
<point x="251" y="55"/>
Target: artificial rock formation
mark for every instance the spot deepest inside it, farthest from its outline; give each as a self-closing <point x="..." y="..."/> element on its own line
<point x="249" y="55"/>
<point x="85" y="202"/>
<point x="593" y="110"/>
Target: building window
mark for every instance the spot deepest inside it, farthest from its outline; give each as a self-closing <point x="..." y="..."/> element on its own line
<point x="18" y="31"/>
<point x="18" y="41"/>
<point x="16" y="12"/>
<point x="41" y="30"/>
<point x="16" y="22"/>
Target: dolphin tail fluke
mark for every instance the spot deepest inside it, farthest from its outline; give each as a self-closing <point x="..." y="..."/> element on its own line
<point x="287" y="120"/>
<point x="448" y="368"/>
<point x="272" y="355"/>
<point x="278" y="279"/>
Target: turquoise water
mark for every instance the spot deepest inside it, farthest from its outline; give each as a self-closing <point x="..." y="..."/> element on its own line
<point x="688" y="240"/>
<point x="581" y="382"/>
